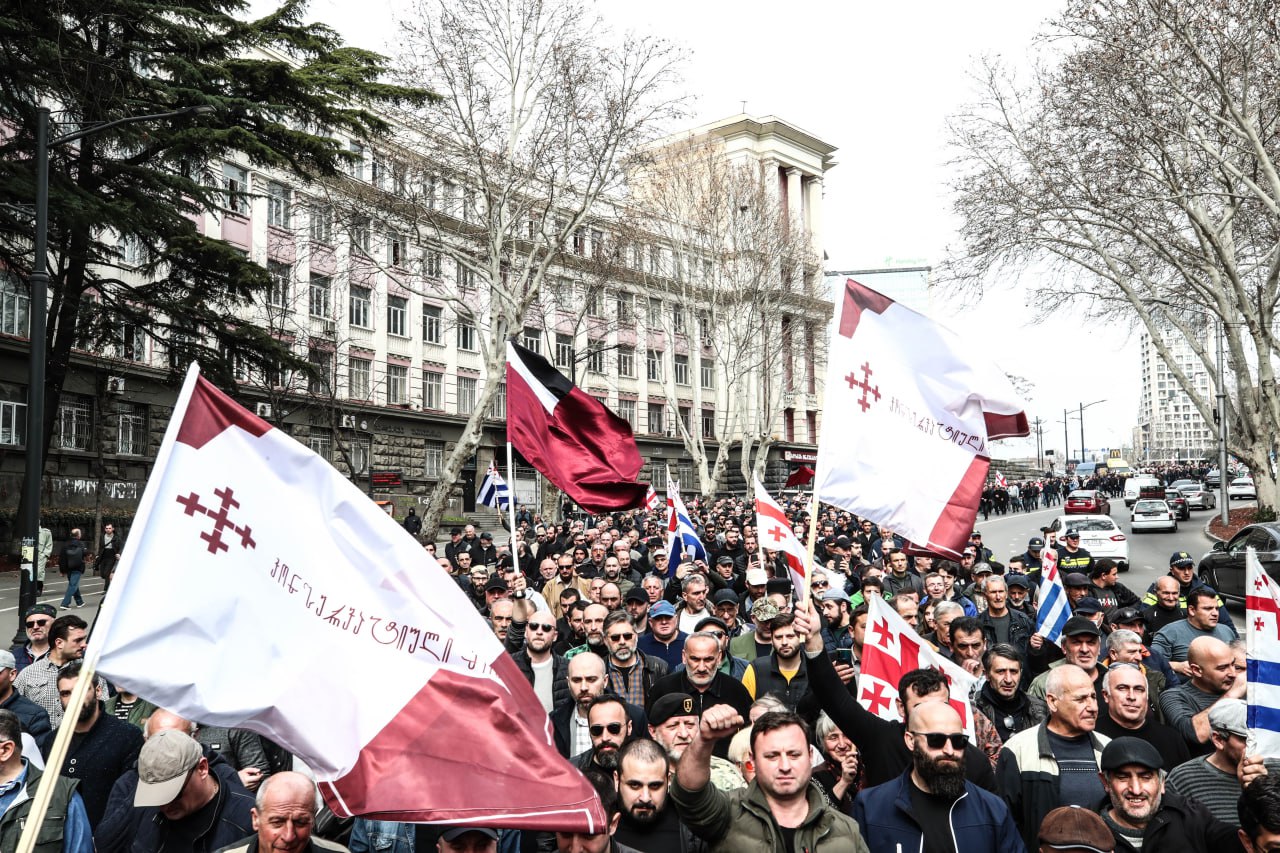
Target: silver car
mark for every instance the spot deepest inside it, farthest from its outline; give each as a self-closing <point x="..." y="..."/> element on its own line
<point x="1199" y="497"/>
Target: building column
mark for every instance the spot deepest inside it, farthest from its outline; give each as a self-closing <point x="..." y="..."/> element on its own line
<point x="813" y="210"/>
<point x="795" y="198"/>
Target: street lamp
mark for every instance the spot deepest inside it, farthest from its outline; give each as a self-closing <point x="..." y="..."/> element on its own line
<point x="1084" y="406"/>
<point x="38" y="282"/>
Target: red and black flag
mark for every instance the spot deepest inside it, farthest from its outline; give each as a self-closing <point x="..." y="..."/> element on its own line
<point x="587" y="451"/>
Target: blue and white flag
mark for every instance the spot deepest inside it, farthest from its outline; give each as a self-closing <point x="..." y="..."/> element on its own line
<point x="683" y="544"/>
<point x="494" y="491"/>
<point x="1262" y="650"/>
<point x="1055" y="609"/>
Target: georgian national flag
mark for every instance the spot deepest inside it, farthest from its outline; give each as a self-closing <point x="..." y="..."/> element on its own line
<point x="585" y="450"/>
<point x="891" y="649"/>
<point x="1001" y="481"/>
<point x="1262" y="649"/>
<point x="773" y="531"/>
<point x="683" y="544"/>
<point x="494" y="491"/>
<point x="651" y="500"/>
<point x="1054" y="609"/>
<point x="915" y="409"/>
<point x="368" y="661"/>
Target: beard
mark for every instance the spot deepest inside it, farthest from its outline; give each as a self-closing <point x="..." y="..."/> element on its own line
<point x="607" y="758"/>
<point x="944" y="778"/>
<point x="643" y="814"/>
<point x="87" y="712"/>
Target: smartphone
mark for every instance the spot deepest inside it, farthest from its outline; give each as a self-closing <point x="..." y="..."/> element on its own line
<point x="843" y="656"/>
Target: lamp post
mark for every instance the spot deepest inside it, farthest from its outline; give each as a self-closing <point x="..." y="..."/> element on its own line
<point x="1084" y="406"/>
<point x="38" y="282"/>
<point x="1223" y="503"/>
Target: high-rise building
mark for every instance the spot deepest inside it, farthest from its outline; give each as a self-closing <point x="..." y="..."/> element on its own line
<point x="1170" y="427"/>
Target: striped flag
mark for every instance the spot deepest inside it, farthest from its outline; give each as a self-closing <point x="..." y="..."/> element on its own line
<point x="683" y="543"/>
<point x="1001" y="481"/>
<point x="773" y="531"/>
<point x="1262" y="638"/>
<point x="651" y="500"/>
<point x="1054" y="610"/>
<point x="494" y="491"/>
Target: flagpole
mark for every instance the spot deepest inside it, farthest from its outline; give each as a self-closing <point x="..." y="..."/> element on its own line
<point x="813" y="544"/>
<point x="511" y="504"/>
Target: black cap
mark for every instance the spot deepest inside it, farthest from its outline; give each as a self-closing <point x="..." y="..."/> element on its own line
<point x="487" y="535"/>
<point x="710" y="620"/>
<point x="843" y="542"/>
<point x="636" y="594"/>
<point x="1130" y="750"/>
<point x="455" y="531"/>
<point x="1035" y="542"/>
<point x="1076" y="579"/>
<point x="1078" y="625"/>
<point x="456" y="832"/>
<point x="1089" y="604"/>
<point x="43" y="610"/>
<point x="671" y="705"/>
<point x="778" y="585"/>
<point x="724" y="560"/>
<point x="1181" y="558"/>
<point x="724" y="596"/>
<point x="496" y="583"/>
<point x="1071" y="533"/>
<point x="1016" y="579"/>
<point x="1125" y="615"/>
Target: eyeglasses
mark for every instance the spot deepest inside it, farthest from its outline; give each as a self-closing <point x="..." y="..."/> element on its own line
<point x="38" y="623"/>
<point x="540" y="626"/>
<point x="613" y="728"/>
<point x="820" y="584"/>
<point x="935" y="740"/>
<point x="717" y="634"/>
<point x="618" y="637"/>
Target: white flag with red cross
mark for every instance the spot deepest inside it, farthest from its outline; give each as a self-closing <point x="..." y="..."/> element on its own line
<point x="773" y="531"/>
<point x="914" y="409"/>
<point x="891" y="649"/>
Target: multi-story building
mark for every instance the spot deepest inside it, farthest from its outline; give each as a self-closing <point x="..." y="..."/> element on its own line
<point x="1170" y="427"/>
<point x="400" y="370"/>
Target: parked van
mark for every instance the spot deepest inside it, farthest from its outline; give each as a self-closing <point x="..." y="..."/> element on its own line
<point x="1134" y="487"/>
<point x="1085" y="470"/>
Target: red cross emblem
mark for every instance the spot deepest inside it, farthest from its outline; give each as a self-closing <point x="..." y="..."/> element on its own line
<point x="865" y="384"/>
<point x="776" y="532"/>
<point x="221" y="521"/>
<point x="877" y="696"/>
<point x="884" y="634"/>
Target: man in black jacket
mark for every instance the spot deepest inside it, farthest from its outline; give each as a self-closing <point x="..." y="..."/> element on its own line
<point x="102" y="748"/>
<point x="1142" y="815"/>
<point x="530" y="640"/>
<point x="71" y="564"/>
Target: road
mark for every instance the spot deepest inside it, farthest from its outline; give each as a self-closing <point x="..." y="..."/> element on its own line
<point x="54" y="586"/>
<point x="1149" y="552"/>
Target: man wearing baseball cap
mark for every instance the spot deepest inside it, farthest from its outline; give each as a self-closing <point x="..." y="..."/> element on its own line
<point x="1033" y="558"/>
<point x="37" y="621"/>
<point x="1182" y="568"/>
<point x="1143" y="815"/>
<point x="188" y="806"/>
<point x="664" y="638"/>
<point x="1071" y="557"/>
<point x="1217" y="779"/>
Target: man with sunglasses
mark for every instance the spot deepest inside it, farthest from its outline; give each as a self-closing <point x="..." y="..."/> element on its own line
<point x="530" y="641"/>
<point x="37" y="623"/>
<point x="630" y="672"/>
<point x="609" y="728"/>
<point x="931" y="806"/>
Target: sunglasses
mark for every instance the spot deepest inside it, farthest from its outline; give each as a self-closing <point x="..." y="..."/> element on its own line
<point x="820" y="584"/>
<point x="626" y="636"/>
<point x="37" y="623"/>
<point x="935" y="740"/>
<point x="613" y="728"/>
<point x="541" y="626"/>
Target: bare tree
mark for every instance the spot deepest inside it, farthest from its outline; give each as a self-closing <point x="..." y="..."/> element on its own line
<point x="732" y="268"/>
<point x="1137" y="178"/>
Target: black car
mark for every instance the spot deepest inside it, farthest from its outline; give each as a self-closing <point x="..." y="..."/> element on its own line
<point x="1223" y="568"/>
<point x="1178" y="503"/>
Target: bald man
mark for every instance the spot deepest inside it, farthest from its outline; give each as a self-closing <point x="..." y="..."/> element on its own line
<point x="283" y="816"/>
<point x="955" y="814"/>
<point x="1213" y="677"/>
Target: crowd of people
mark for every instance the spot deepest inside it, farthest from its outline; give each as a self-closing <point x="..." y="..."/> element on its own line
<point x="713" y="707"/>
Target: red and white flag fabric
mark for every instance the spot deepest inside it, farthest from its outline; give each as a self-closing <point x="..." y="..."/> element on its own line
<point x="1001" y="481"/>
<point x="891" y="649"/>
<point x="914" y="410"/>
<point x="651" y="500"/>
<point x="773" y="531"/>
<point x="262" y="589"/>
<point x="587" y="451"/>
<point x="1262" y="653"/>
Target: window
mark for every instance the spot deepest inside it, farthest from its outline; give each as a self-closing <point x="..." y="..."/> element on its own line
<point x="321" y="442"/>
<point x="278" y="292"/>
<point x="466" y="335"/>
<point x="133" y="431"/>
<point x="433" y="390"/>
<point x="13" y="420"/>
<point x="433" y="459"/>
<point x="431" y="324"/>
<point x="322" y="224"/>
<point x="680" y="370"/>
<point x="655" y="313"/>
<point x="564" y="351"/>
<point x="708" y="423"/>
<point x="626" y="305"/>
<point x="597" y="243"/>
<point x="627" y="411"/>
<point x="466" y="395"/>
<point x="361" y="376"/>
<point x="397" y="249"/>
<point x="708" y="372"/>
<point x="470" y="211"/>
<point x="277" y="205"/>
<point x="580" y="241"/>
<point x="655" y="418"/>
<point x="133" y="251"/>
<point x="562" y="292"/>
<point x="449" y="198"/>
<point x="322" y="362"/>
<point x="431" y="264"/>
<point x="75" y="423"/>
<point x="15" y="307"/>
<point x="500" y="402"/>
<point x="319" y="303"/>
<point x="653" y="365"/>
<point x="235" y="186"/>
<point x="531" y="339"/>
<point x="432" y="192"/>
<point x="677" y="319"/>
<point x="360" y="307"/>
<point x="627" y="362"/>
<point x="466" y="277"/>
<point x="397" y="384"/>
<point x="360" y="454"/>
<point x="360" y="234"/>
<point x="685" y="414"/>
<point x="133" y="343"/>
<point x="594" y="308"/>
<point x="356" y="163"/>
<point x="595" y="357"/>
<point x="398" y="316"/>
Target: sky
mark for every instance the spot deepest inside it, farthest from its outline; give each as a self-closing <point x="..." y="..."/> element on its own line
<point x="878" y="81"/>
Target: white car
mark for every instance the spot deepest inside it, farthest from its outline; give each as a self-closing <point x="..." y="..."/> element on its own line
<point x="1099" y="535"/>
<point x="1153" y="515"/>
<point x="1242" y="488"/>
<point x="1199" y="497"/>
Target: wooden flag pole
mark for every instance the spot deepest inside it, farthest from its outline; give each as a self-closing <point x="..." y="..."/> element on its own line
<point x="511" y="504"/>
<point x="813" y="544"/>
